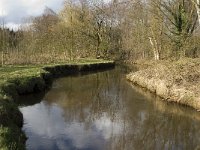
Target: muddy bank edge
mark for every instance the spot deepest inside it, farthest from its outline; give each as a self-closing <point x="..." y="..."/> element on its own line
<point x="173" y="81"/>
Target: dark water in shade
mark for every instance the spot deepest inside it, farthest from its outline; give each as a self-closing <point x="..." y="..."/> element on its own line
<point x="102" y="111"/>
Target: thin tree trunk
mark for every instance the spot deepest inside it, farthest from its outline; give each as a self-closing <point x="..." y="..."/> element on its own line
<point x="2" y="58"/>
<point x="155" y="50"/>
<point x="98" y="45"/>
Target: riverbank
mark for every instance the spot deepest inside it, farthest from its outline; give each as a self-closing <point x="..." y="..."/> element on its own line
<point x="19" y="80"/>
<point x="173" y="81"/>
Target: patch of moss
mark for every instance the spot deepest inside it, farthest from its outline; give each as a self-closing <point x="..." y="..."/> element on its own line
<point x="10" y="114"/>
<point x="11" y="121"/>
<point x="11" y="138"/>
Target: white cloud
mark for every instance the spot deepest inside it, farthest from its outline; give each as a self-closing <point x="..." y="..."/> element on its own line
<point x="108" y="127"/>
<point x="46" y="123"/>
<point x="14" y="26"/>
<point x="13" y="11"/>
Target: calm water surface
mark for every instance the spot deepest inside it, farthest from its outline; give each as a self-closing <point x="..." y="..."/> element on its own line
<point x="102" y="111"/>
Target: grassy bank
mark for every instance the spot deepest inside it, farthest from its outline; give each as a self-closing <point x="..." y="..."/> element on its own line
<point x="173" y="81"/>
<point x="18" y="80"/>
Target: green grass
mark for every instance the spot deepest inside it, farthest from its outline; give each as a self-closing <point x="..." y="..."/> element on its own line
<point x="13" y="72"/>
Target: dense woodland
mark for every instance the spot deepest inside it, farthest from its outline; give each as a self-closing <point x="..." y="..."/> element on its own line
<point x="119" y="29"/>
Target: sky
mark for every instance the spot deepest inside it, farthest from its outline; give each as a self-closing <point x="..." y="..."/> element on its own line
<point x="12" y="12"/>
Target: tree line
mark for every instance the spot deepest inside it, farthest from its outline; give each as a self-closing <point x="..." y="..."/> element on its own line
<point x="116" y="29"/>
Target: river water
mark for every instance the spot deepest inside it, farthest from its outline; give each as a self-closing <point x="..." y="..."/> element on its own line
<point x="102" y="111"/>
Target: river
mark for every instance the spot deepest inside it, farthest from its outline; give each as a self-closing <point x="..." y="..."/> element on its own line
<point x="102" y="111"/>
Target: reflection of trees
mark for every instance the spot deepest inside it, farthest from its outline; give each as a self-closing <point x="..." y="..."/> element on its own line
<point x="87" y="97"/>
<point x="163" y="125"/>
<point x="166" y="107"/>
<point x="30" y="99"/>
<point x="143" y="122"/>
<point x="161" y="131"/>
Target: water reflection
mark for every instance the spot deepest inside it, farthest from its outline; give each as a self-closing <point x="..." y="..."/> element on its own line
<point x="102" y="111"/>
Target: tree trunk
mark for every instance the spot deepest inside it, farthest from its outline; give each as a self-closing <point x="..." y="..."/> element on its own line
<point x="197" y="5"/>
<point x="198" y="9"/>
<point x="155" y="49"/>
<point x="2" y="58"/>
<point x="98" y="45"/>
